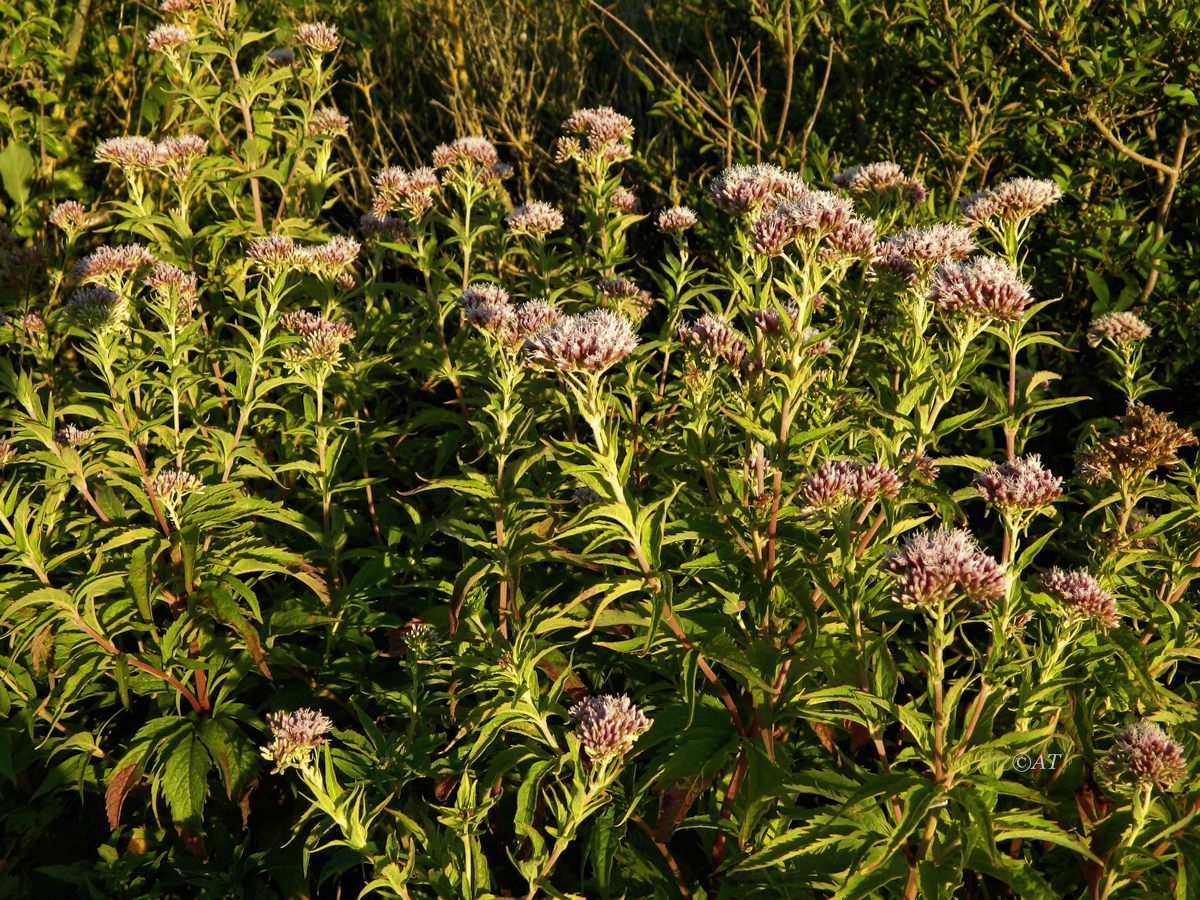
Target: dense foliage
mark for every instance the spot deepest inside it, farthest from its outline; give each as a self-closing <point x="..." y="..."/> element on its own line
<point x="613" y="513"/>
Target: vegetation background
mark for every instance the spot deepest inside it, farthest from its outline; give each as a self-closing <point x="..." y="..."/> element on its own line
<point x="1100" y="97"/>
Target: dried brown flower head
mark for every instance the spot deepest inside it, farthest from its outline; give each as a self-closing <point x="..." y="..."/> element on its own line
<point x="1147" y="439"/>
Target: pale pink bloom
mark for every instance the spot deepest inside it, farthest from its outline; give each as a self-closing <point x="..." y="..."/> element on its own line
<point x="112" y="264"/>
<point x="331" y="259"/>
<point x="318" y="36"/>
<point x="327" y="122"/>
<point x="535" y="218"/>
<point x="467" y="151"/>
<point x="931" y="244"/>
<point x="295" y="737"/>
<point x="608" y="725"/>
<point x="934" y="566"/>
<point x="748" y="189"/>
<point x="1012" y="201"/>
<point x="398" y="188"/>
<point x="167" y="37"/>
<point x="179" y="154"/>
<point x="676" y="219"/>
<point x="1144" y="755"/>
<point x="1118" y="328"/>
<point x="1019" y="484"/>
<point x="625" y="201"/>
<point x="605" y="134"/>
<point x="129" y="152"/>
<point x="71" y="217"/>
<point x="274" y="251"/>
<point x="589" y="342"/>
<point x="1080" y="592"/>
<point x="986" y="287"/>
<point x="713" y="338"/>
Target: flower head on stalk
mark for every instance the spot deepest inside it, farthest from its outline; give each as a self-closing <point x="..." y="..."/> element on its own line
<point x="712" y="338"/>
<point x="535" y="219"/>
<point x="587" y="343"/>
<point x="919" y="250"/>
<point x="173" y="486"/>
<point x="487" y="307"/>
<point x="1147" y="440"/>
<point x="167" y="40"/>
<point x="8" y="453"/>
<point x="750" y="190"/>
<point x="320" y="349"/>
<point x="399" y="189"/>
<point x="676" y="219"/>
<point x="72" y="218"/>
<point x="986" y="288"/>
<point x="328" y="122"/>
<point x="1118" y="328"/>
<point x="607" y="726"/>
<point x="771" y="320"/>
<point x="71" y="435"/>
<point x="855" y="238"/>
<point x="175" y="289"/>
<point x="1082" y="596"/>
<point x="274" y="253"/>
<point x="1143" y="756"/>
<point x="295" y="737"/>
<point x="1012" y="201"/>
<point x="533" y="317"/>
<point x="98" y="310"/>
<point x="112" y="266"/>
<point x="178" y="155"/>
<point x="624" y="296"/>
<point x="30" y="323"/>
<point x="837" y="483"/>
<point x="320" y="37"/>
<point x="880" y="179"/>
<point x="470" y="162"/>
<point x="935" y="566"/>
<point x="130" y="152"/>
<point x="626" y="201"/>
<point x="597" y="135"/>
<point x="330" y="261"/>
<point x="1019" y="484"/>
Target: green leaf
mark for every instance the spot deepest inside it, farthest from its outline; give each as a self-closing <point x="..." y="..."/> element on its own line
<point x="184" y="781"/>
<point x="16" y="170"/>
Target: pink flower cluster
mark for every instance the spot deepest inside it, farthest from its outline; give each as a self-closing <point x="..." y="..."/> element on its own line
<point x="934" y="566"/>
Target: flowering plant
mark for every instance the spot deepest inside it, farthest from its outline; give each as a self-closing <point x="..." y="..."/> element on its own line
<point x="478" y="545"/>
